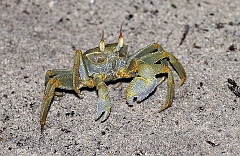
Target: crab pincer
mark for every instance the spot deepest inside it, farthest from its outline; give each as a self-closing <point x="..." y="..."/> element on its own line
<point x="104" y="103"/>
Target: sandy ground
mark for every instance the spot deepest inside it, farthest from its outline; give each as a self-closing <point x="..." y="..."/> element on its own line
<point x="39" y="35"/>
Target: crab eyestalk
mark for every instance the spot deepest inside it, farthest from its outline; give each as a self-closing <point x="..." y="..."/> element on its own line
<point x="102" y="44"/>
<point x="120" y="40"/>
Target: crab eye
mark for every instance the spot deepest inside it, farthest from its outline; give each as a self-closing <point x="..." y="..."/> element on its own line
<point x="102" y="44"/>
<point x="120" y="40"/>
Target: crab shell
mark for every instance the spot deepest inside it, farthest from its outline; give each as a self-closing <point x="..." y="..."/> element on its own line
<point x="108" y="63"/>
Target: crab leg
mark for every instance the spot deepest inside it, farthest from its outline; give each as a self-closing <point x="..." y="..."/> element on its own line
<point x="149" y="55"/>
<point x="178" y="67"/>
<point x="54" y="72"/>
<point x="104" y="103"/>
<point x="144" y="51"/>
<point x="170" y="83"/>
<point x="162" y="56"/>
<point x="63" y="81"/>
<point x="80" y="73"/>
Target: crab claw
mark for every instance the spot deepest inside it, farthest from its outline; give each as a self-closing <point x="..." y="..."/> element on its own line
<point x="102" y="110"/>
<point x="140" y="88"/>
<point x="104" y="103"/>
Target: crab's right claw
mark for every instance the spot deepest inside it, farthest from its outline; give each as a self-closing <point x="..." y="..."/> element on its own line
<point x="104" y="103"/>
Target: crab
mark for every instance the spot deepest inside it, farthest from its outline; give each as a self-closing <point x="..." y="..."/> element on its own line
<point x="111" y="62"/>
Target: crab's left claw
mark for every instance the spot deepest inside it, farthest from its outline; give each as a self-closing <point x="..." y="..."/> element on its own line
<point x="141" y="87"/>
<point x="104" y="103"/>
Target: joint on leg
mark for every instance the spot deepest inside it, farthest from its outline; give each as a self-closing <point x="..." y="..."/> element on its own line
<point x="155" y="45"/>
